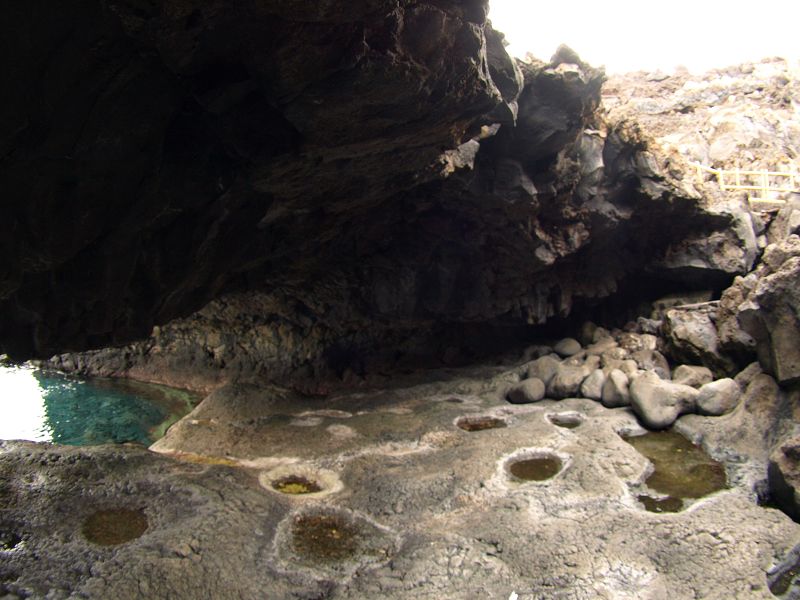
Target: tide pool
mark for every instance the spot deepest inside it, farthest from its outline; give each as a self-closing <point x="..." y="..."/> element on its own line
<point x="49" y="407"/>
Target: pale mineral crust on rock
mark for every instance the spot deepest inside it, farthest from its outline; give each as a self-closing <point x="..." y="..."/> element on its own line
<point x="433" y="507"/>
<point x="738" y="116"/>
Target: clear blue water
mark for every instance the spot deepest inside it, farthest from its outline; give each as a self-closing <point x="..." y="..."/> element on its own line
<point x="50" y="407"/>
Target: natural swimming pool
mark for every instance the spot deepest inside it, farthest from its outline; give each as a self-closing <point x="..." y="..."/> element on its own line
<point x="50" y="407"/>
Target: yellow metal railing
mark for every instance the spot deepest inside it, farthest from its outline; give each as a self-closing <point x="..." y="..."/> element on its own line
<point x="761" y="186"/>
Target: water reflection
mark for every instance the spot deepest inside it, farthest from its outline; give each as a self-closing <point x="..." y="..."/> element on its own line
<point x="681" y="470"/>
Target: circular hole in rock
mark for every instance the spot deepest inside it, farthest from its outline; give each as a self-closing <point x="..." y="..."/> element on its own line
<point x="566" y="420"/>
<point x="325" y="537"/>
<point x="115" y="526"/>
<point x="480" y="423"/>
<point x="295" y="485"/>
<point x="333" y="542"/>
<point x="535" y="468"/>
<point x="300" y="481"/>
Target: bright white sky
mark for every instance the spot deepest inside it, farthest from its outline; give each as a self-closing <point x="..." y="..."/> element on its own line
<point x="22" y="414"/>
<point x="628" y="35"/>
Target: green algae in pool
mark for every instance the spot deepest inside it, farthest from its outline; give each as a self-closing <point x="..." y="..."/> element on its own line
<point x="50" y="407"/>
<point x="296" y="485"/>
<point x="681" y="470"/>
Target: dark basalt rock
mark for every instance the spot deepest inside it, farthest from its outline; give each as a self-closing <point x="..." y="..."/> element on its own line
<point x="352" y="168"/>
<point x="154" y="155"/>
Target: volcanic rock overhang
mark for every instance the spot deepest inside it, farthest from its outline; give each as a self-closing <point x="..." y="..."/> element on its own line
<point x="360" y="157"/>
<point x="155" y="154"/>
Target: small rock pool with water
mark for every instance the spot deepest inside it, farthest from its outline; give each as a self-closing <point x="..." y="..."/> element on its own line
<point x="46" y="406"/>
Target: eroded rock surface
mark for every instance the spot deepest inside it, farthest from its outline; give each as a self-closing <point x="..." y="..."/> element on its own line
<point x="740" y="116"/>
<point x="416" y="506"/>
<point x="765" y="306"/>
<point x="368" y="183"/>
<point x="197" y="148"/>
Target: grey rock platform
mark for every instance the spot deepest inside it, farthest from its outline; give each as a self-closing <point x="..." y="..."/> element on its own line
<point x="436" y="511"/>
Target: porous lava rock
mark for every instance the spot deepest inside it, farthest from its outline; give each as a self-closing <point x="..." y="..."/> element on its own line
<point x="765" y="308"/>
<point x="380" y="176"/>
<point x="736" y="116"/>
<point x="784" y="476"/>
<point x="193" y="148"/>
<point x="691" y="336"/>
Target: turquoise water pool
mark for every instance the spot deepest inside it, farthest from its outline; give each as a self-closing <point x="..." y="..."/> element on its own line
<point x="50" y="407"/>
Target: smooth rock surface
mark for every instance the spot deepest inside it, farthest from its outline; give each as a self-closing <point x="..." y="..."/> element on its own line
<point x="566" y="383"/>
<point x="718" y="397"/>
<point x="658" y="403"/>
<point x="592" y="386"/>
<point x="616" y="392"/>
<point x="543" y="368"/>
<point x="567" y="347"/>
<point x="692" y="375"/>
<point x="527" y="391"/>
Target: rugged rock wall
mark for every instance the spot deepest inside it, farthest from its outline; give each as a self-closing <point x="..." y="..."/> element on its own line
<point x="364" y="185"/>
<point x="157" y="154"/>
<point x="741" y="116"/>
<point x="522" y="223"/>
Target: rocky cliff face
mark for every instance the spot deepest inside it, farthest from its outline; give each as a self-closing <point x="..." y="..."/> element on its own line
<point x="522" y="223"/>
<point x="742" y="116"/>
<point x="369" y="177"/>
<point x="155" y="155"/>
<point x="320" y="194"/>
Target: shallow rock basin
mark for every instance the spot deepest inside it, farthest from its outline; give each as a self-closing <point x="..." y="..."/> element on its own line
<point x="296" y="484"/>
<point x="681" y="470"/>
<point x="566" y="420"/>
<point x="115" y="526"/>
<point x="535" y="468"/>
<point x="324" y="537"/>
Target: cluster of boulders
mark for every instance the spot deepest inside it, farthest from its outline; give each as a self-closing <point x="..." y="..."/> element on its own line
<point x="619" y="369"/>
